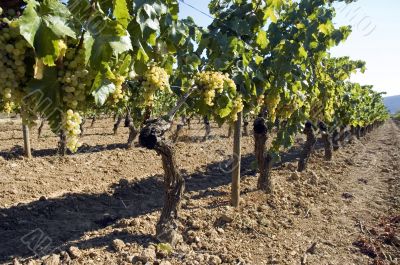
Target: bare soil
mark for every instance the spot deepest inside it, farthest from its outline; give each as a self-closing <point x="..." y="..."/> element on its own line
<point x="101" y="205"/>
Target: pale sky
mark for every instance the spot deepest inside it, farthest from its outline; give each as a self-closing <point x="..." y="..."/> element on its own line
<point x="375" y="38"/>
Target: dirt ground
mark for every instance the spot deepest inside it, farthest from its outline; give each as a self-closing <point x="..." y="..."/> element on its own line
<point x="101" y="205"/>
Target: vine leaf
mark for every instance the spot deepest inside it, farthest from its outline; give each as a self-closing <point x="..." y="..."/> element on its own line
<point x="42" y="25"/>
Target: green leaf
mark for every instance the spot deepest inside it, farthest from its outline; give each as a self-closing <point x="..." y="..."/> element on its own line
<point x="302" y="52"/>
<point x="30" y="22"/>
<point x="125" y="65"/>
<point x="102" y="92"/>
<point x="44" y="97"/>
<point x="121" y="12"/>
<point x="262" y="40"/>
<point x="42" y="25"/>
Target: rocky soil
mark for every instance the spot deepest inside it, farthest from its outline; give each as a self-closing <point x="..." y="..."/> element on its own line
<point x="101" y="205"/>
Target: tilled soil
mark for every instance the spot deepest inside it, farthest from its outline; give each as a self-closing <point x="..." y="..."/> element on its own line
<point x="101" y="205"/>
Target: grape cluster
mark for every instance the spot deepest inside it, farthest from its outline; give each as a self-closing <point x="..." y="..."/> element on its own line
<point x="213" y="84"/>
<point x="155" y="79"/>
<point x="272" y="101"/>
<point x="118" y="95"/>
<point x="74" y="78"/>
<point x="72" y="122"/>
<point x="237" y="107"/>
<point x="210" y="83"/>
<point x="12" y="67"/>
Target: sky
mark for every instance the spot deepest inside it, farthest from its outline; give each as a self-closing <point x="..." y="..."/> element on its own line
<point x="375" y="38"/>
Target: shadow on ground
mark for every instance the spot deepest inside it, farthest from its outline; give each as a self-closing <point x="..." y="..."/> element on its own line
<point x="42" y="226"/>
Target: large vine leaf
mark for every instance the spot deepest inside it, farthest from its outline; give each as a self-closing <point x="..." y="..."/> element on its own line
<point x="42" y="25"/>
<point x="44" y="98"/>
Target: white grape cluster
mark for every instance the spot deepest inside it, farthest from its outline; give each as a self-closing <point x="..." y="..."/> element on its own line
<point x="155" y="79"/>
<point x="12" y="67"/>
<point x="213" y="83"/>
<point x="118" y="95"/>
<point x="271" y="102"/>
<point x="72" y="122"/>
<point x="210" y="83"/>
<point x="75" y="78"/>
<point x="237" y="107"/>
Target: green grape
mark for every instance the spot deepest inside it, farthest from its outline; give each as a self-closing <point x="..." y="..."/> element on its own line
<point x="72" y="122"/>
<point x="74" y="77"/>
<point x="155" y="79"/>
<point x="272" y="101"/>
<point x="210" y="83"/>
<point x="237" y="107"/>
<point x="214" y="84"/>
<point x="12" y="69"/>
<point x="119" y="94"/>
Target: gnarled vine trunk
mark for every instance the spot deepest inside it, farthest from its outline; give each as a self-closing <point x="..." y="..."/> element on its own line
<point x="133" y="132"/>
<point x="308" y="147"/>
<point x="264" y="162"/>
<point x="342" y="135"/>
<point x="335" y="139"/>
<point x="177" y="133"/>
<point x="81" y="126"/>
<point x="245" y="127"/>
<point x="117" y="124"/>
<point x="207" y="127"/>
<point x="358" y="132"/>
<point x="326" y="139"/>
<point x="40" y="129"/>
<point x="93" y="121"/>
<point x="151" y="137"/>
<point x="62" y="144"/>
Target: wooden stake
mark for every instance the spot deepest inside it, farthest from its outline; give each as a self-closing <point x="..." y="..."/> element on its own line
<point x="27" y="141"/>
<point x="235" y="193"/>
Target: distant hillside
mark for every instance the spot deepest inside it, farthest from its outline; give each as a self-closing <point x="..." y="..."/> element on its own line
<point x="393" y="103"/>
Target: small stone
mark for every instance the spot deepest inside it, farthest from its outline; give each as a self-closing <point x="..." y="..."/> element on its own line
<point x="262" y="208"/>
<point x="32" y="262"/>
<point x="314" y="178"/>
<point x="385" y="170"/>
<point x="66" y="259"/>
<point x="347" y="195"/>
<point x="264" y="222"/>
<point x="52" y="260"/>
<point x="118" y="245"/>
<point x="165" y="262"/>
<point x="226" y="218"/>
<point x="220" y="230"/>
<point x="294" y="177"/>
<point x="214" y="260"/>
<point x="148" y="255"/>
<point x="16" y="262"/>
<point x="74" y="252"/>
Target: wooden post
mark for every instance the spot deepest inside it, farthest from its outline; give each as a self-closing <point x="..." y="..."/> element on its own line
<point x="27" y="142"/>
<point x="235" y="193"/>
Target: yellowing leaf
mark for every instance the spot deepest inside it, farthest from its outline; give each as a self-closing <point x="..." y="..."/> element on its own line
<point x="262" y="40"/>
<point x="302" y="52"/>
